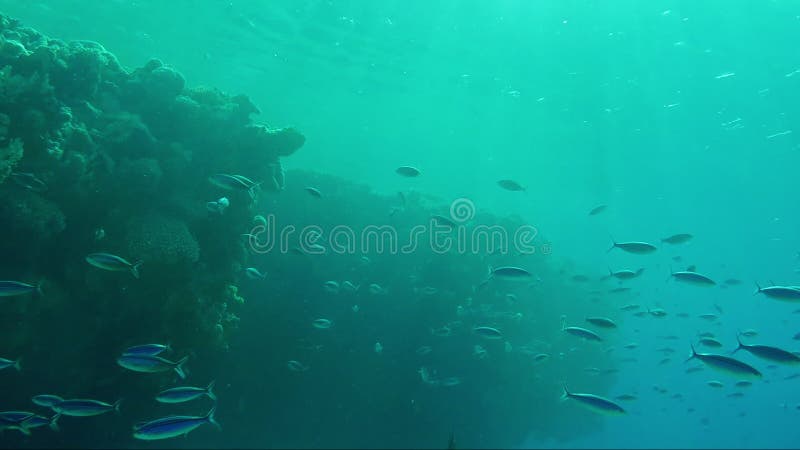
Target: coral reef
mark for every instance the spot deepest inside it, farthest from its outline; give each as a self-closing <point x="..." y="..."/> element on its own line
<point x="125" y="156"/>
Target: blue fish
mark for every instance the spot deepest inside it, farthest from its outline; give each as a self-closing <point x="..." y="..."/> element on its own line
<point x="186" y="393"/>
<point x="37" y="421"/>
<point x="151" y="364"/>
<point x="6" y="363"/>
<point x="13" y="288"/>
<point x="80" y="407"/>
<point x="147" y="349"/>
<point x="15" y="420"/>
<point x="172" y="426"/>
<point x="46" y="400"/>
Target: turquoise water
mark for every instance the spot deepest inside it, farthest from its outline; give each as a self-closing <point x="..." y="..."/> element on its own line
<point x="680" y="116"/>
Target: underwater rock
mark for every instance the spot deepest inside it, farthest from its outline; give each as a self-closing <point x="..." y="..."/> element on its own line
<point x="161" y="240"/>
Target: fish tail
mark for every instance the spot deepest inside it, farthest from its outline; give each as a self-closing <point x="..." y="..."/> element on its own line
<point x="54" y="422"/>
<point x="18" y="364"/>
<point x="738" y="341"/>
<point x="758" y="288"/>
<point x="563" y="322"/>
<point x="671" y="272"/>
<point x="693" y="355"/>
<point x="613" y="243"/>
<point x="211" y="419"/>
<point x="179" y="367"/>
<point x="39" y="288"/>
<point x="116" y="405"/>
<point x="135" y="268"/>
<point x="210" y="390"/>
<point x="566" y="393"/>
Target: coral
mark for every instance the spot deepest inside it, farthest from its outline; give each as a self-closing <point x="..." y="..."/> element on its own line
<point x="9" y="157"/>
<point x="29" y="217"/>
<point x="161" y="240"/>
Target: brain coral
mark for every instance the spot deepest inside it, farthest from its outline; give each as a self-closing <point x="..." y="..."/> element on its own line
<point x="155" y="238"/>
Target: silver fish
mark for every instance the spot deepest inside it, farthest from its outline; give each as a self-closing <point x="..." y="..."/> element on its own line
<point x="107" y="261"/>
<point x="172" y="426"/>
<point x="152" y="364"/>
<point x="639" y="248"/>
<point x="186" y="393"/>
<point x="594" y="402"/>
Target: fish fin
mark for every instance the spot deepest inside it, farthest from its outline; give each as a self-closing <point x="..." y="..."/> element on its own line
<point x="179" y="367"/>
<point x="18" y="364"/>
<point x="24" y="429"/>
<point x="54" y="422"/>
<point x="135" y="269"/>
<point x="116" y="405"/>
<point x="210" y="390"/>
<point x="211" y="419"/>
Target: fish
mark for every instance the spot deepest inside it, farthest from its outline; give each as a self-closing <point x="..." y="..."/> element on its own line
<point x="296" y="366"/>
<point x="638" y="248"/>
<point x="147" y="349"/>
<point x="715" y="384"/>
<point x="46" y="400"/>
<point x="676" y="239"/>
<point x="443" y="221"/>
<point x="732" y="282"/>
<point x="408" y="171"/>
<point x="15" y="420"/>
<point x="488" y="332"/>
<point x="626" y="397"/>
<point x="80" y="407"/>
<point x="692" y="277"/>
<point x="6" y="363"/>
<point x="594" y="403"/>
<point x="597" y="210"/>
<point x="313" y="191"/>
<point x="450" y="381"/>
<point x="735" y="395"/>
<point x="424" y="350"/>
<point x="254" y="274"/>
<point x="657" y="312"/>
<point x="322" y="324"/>
<point x="619" y="290"/>
<point x="540" y="357"/>
<point x="580" y="278"/>
<point x="28" y="181"/>
<point x="708" y="316"/>
<point x="107" y="261"/>
<point x="744" y="383"/>
<point x="232" y="182"/>
<point x="331" y="287"/>
<point x="603" y="322"/>
<point x="219" y="206"/>
<point x="14" y="288"/>
<point x="377" y="289"/>
<point x="631" y="345"/>
<point x="625" y="274"/>
<point x="786" y="293"/>
<point x="630" y="307"/>
<point x="349" y="287"/>
<point x="749" y="333"/>
<point x="769" y="353"/>
<point x="694" y="369"/>
<point x="725" y="364"/>
<point x="511" y="185"/>
<point x="152" y="364"/>
<point x="583" y="333"/>
<point x="186" y="393"/>
<point x="510" y="273"/>
<point x="172" y="426"/>
<point x="37" y="421"/>
<point x="710" y="342"/>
